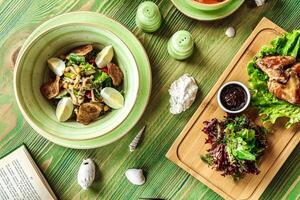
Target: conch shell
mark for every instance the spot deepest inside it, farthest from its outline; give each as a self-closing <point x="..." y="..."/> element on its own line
<point x="86" y="173"/>
<point x="136" y="140"/>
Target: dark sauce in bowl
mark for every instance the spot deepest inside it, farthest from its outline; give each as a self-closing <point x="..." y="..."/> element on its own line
<point x="233" y="97"/>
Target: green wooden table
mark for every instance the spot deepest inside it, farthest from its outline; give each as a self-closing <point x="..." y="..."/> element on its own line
<point x="18" y="18"/>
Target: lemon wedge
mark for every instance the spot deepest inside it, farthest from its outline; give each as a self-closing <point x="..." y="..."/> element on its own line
<point x="105" y="56"/>
<point x="56" y="65"/>
<point x="112" y="97"/>
<point x="64" y="109"/>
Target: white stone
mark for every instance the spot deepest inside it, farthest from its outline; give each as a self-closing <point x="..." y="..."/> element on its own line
<point x="260" y="2"/>
<point x="230" y="32"/>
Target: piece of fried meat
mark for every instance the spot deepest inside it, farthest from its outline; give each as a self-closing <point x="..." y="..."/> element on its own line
<point x="275" y="67"/>
<point x="284" y="77"/>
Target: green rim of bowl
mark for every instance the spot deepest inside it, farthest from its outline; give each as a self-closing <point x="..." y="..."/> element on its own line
<point x="207" y="15"/>
<point x="140" y="56"/>
<point x="203" y="6"/>
<point x="72" y="130"/>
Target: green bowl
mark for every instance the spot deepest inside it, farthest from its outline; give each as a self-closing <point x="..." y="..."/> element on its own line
<point x="32" y="71"/>
<point x="192" y="9"/>
<point x="204" y="6"/>
<point x="141" y="58"/>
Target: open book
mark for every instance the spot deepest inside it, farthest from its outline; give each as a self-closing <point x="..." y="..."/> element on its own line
<point x="20" y="178"/>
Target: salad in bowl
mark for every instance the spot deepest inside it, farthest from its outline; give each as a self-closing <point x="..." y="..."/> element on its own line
<point x="76" y="82"/>
<point x="87" y="84"/>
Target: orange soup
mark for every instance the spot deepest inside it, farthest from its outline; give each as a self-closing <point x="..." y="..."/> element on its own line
<point x="209" y="1"/>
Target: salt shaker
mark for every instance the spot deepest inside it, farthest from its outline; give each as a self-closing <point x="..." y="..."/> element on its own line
<point x="181" y="45"/>
<point x="148" y="17"/>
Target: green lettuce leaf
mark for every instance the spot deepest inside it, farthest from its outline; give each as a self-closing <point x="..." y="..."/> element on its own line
<point x="247" y="134"/>
<point x="102" y="79"/>
<point x="207" y="158"/>
<point x="75" y="59"/>
<point x="238" y="148"/>
<point x="87" y="68"/>
<point x="236" y="145"/>
<point x="269" y="107"/>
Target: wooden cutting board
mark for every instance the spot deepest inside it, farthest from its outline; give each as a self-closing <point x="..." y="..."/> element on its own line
<point x="189" y="146"/>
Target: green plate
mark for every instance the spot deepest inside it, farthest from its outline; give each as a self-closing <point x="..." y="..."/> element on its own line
<point x="203" y="15"/>
<point x="142" y="61"/>
<point x="32" y="71"/>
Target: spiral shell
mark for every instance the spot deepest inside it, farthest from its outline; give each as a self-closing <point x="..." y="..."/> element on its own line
<point x="136" y="140"/>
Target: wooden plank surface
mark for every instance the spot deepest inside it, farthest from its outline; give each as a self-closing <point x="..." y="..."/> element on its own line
<point x="164" y="179"/>
<point x="189" y="145"/>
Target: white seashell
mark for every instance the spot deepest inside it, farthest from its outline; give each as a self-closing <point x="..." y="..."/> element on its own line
<point x="86" y="173"/>
<point x="230" y="32"/>
<point x="64" y="109"/>
<point x="260" y="2"/>
<point x="56" y="65"/>
<point x="135" y="176"/>
<point x="135" y="141"/>
<point x="105" y="56"/>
